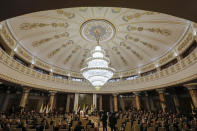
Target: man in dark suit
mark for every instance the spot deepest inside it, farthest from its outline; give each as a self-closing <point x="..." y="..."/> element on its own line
<point x="104" y="121"/>
<point x="78" y="127"/>
<point x="113" y="122"/>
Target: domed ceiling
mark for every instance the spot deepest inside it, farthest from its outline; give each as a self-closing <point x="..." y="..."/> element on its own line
<point x="130" y="37"/>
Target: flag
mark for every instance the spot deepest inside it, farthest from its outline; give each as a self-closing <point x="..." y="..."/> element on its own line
<point x="47" y="109"/>
<point x="44" y="109"/>
<point x="192" y="106"/>
<point x="50" y="108"/>
<point x="84" y="107"/>
<point x="41" y="108"/>
<point x="76" y="107"/>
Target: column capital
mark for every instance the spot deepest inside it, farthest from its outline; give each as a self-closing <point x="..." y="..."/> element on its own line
<point x="136" y="93"/>
<point x="26" y="89"/>
<point x="191" y="86"/>
<point x="146" y="93"/>
<point x="52" y="93"/>
<point x="161" y="90"/>
<point x="115" y="94"/>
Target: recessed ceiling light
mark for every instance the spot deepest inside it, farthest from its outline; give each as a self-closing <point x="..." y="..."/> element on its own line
<point x="32" y="62"/>
<point x="175" y="54"/>
<point x="156" y="65"/>
<point x="15" y="49"/>
<point x="194" y="32"/>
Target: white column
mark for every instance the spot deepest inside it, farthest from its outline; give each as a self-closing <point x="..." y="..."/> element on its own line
<point x="94" y="101"/>
<point x="122" y="104"/>
<point x="115" y="102"/>
<point x="100" y="103"/>
<point x="68" y="103"/>
<point x="76" y="101"/>
<point x="137" y="100"/>
<point x="24" y="97"/>
<point x="52" y="99"/>
<point x="162" y="98"/>
<point x="192" y="87"/>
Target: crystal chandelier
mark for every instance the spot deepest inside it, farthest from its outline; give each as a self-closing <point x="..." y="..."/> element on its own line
<point x="97" y="71"/>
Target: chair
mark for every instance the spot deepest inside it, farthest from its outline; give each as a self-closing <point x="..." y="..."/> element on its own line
<point x="15" y="129"/>
<point x="91" y="129"/>
<point x="119" y="124"/>
<point x="84" y="122"/>
<point x="161" y="129"/>
<point x="136" y="127"/>
<point x="63" y="129"/>
<point x="151" y="129"/>
<point x="88" y="127"/>
<point x="31" y="129"/>
<point x="48" y="129"/>
<point x="128" y="126"/>
<point x="172" y="128"/>
<point x="13" y="126"/>
<point x="74" y="124"/>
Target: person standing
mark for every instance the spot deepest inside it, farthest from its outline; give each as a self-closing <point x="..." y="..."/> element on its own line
<point x="113" y="122"/>
<point x="104" y="121"/>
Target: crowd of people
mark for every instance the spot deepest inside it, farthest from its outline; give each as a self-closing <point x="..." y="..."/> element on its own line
<point x="116" y="121"/>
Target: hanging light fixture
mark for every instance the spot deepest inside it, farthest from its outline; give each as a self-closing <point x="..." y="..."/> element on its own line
<point x="97" y="71"/>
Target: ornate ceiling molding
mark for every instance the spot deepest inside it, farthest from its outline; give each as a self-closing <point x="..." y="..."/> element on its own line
<point x="67" y="42"/>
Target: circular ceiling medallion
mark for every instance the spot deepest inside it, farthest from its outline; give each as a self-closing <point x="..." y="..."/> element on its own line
<point x="90" y="28"/>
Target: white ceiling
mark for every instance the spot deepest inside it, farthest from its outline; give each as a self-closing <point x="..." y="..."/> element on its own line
<point x="54" y="36"/>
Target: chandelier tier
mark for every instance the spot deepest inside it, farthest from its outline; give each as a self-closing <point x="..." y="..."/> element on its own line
<point x="97" y="71"/>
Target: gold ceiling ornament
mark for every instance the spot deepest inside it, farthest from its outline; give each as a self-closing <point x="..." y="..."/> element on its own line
<point x="29" y="26"/>
<point x="164" y="32"/>
<point x="65" y="13"/>
<point x="133" y="51"/>
<point x="185" y="42"/>
<point x="51" y="54"/>
<point x="81" y="63"/>
<point x="73" y="52"/>
<point x="26" y="55"/>
<point x="40" y="42"/>
<point x="137" y="15"/>
<point x="153" y="47"/>
<point x="42" y="64"/>
<point x="85" y="54"/>
<point x="67" y="59"/>
<point x="7" y="36"/>
<point x="166" y="58"/>
<point x="121" y="57"/>
<point x="104" y="27"/>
